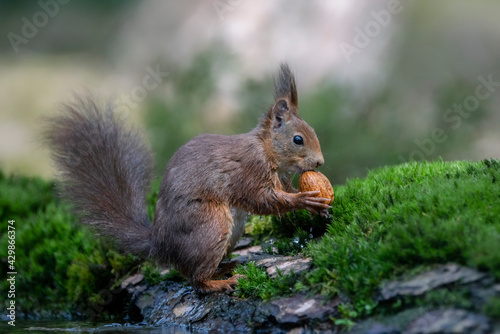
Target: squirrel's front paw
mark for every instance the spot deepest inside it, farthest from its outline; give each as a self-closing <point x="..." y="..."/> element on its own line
<point x="307" y="200"/>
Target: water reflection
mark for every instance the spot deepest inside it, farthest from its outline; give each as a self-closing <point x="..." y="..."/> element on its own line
<point x="44" y="327"/>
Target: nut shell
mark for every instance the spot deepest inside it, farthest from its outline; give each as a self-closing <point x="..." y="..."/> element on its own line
<point x="316" y="181"/>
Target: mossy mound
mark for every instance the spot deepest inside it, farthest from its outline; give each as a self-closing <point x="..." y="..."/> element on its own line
<point x="62" y="269"/>
<point x="396" y="220"/>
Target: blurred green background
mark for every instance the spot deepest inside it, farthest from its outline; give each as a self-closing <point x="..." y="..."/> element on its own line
<point x="381" y="81"/>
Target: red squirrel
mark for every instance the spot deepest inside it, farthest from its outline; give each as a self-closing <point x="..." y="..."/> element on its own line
<point x="208" y="188"/>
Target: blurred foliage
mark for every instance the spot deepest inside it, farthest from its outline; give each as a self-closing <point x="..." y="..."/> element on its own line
<point x="427" y="66"/>
<point x="23" y="6"/>
<point x="172" y="121"/>
<point x="88" y="26"/>
<point x="492" y="307"/>
<point x="355" y="135"/>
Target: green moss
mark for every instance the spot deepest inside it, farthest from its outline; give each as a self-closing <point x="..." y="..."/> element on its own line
<point x="20" y="197"/>
<point x="404" y="216"/>
<point x="153" y="274"/>
<point x="492" y="307"/>
<point x="258" y="284"/>
<point x="60" y="265"/>
<point x="394" y="221"/>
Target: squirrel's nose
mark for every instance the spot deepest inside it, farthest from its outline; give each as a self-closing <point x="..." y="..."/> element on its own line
<point x="320" y="162"/>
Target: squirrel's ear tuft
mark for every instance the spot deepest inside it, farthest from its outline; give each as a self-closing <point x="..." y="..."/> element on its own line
<point x="284" y="85"/>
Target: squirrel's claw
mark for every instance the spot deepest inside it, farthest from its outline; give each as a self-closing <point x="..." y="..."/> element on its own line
<point x="315" y="205"/>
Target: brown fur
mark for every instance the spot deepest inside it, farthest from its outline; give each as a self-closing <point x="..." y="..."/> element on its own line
<point x="205" y="184"/>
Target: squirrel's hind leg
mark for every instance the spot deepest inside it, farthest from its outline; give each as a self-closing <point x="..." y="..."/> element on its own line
<point x="212" y="239"/>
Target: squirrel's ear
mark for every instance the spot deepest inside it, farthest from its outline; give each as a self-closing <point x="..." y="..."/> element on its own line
<point x="284" y="87"/>
<point x="280" y="113"/>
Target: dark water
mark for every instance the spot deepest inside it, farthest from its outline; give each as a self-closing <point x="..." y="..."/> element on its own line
<point x="44" y="327"/>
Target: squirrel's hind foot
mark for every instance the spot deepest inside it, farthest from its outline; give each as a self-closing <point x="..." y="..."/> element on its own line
<point x="217" y="285"/>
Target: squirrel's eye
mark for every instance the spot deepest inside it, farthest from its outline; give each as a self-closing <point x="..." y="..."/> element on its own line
<point x="298" y="140"/>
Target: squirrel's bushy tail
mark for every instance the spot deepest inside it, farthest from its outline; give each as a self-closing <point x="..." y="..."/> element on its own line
<point x="106" y="171"/>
